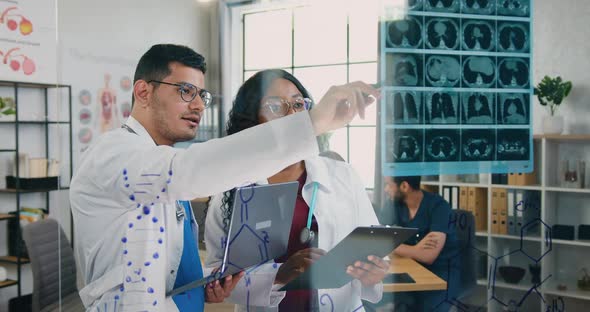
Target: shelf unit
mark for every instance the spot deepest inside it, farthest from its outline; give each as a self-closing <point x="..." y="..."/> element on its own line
<point x="46" y="125"/>
<point x="559" y="205"/>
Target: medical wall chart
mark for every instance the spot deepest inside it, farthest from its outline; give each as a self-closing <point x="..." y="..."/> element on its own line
<point x="456" y="89"/>
<point x="28" y="46"/>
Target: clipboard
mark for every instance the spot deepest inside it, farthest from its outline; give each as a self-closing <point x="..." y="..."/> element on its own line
<point x="330" y="270"/>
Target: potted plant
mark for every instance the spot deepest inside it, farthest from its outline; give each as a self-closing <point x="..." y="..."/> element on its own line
<point x="551" y="92"/>
<point x="7" y="109"/>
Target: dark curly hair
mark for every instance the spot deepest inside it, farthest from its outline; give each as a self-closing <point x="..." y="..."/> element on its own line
<point x="244" y="114"/>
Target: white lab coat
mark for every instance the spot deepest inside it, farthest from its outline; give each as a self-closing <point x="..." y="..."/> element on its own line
<point x="342" y="204"/>
<point x="128" y="241"/>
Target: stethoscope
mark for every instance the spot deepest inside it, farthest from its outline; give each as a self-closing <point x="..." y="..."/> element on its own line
<point x="307" y="235"/>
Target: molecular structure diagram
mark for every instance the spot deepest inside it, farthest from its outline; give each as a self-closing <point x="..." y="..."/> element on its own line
<point x="460" y="222"/>
<point x="246" y="194"/>
<point x="144" y="242"/>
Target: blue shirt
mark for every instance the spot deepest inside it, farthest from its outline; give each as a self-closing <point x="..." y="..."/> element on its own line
<point x="189" y="269"/>
<point x="433" y="215"/>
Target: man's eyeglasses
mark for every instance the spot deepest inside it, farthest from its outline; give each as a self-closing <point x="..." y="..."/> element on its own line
<point x="188" y="92"/>
<point x="279" y="107"/>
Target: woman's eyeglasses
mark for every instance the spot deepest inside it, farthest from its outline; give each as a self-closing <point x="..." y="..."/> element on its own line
<point x="188" y="92"/>
<point x="280" y="107"/>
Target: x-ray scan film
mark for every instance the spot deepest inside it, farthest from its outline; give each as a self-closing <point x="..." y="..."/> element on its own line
<point x="442" y="33"/>
<point x="513" y="37"/>
<point x="448" y="6"/>
<point x="456" y="78"/>
<point x="404" y="108"/>
<point x="479" y="72"/>
<point x="404" y="145"/>
<point x="514" y="7"/>
<point x="513" y="144"/>
<point x="404" y="69"/>
<point x="513" y="108"/>
<point x="442" y="108"/>
<point x="443" y="71"/>
<point x="487" y="7"/>
<point x="412" y="5"/>
<point x="478" y="144"/>
<point x="513" y="73"/>
<point x="442" y="145"/>
<point x="477" y="108"/>
<point x="405" y="33"/>
<point x="478" y="35"/>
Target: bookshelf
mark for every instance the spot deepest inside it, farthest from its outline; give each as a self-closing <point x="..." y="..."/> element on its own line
<point x="560" y="260"/>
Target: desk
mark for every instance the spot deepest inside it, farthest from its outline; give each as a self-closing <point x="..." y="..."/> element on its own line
<point x="425" y="280"/>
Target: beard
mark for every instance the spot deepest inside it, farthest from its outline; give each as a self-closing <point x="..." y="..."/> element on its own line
<point x="399" y="198"/>
<point x="165" y="127"/>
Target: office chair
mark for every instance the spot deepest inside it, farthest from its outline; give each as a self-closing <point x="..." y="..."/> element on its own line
<point x="48" y="257"/>
<point x="469" y="259"/>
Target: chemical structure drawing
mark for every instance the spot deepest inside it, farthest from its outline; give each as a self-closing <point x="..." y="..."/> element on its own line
<point x="459" y="222"/>
<point x="144" y="240"/>
<point x="245" y="235"/>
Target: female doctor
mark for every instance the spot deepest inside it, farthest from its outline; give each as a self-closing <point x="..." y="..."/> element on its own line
<point x="341" y="204"/>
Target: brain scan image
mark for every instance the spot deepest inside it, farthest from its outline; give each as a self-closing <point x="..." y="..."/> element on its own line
<point x="513" y="108"/>
<point x="406" y="33"/>
<point x="478" y="108"/>
<point x="405" y="107"/>
<point x="406" y="145"/>
<point x="513" y="144"/>
<point x="513" y="73"/>
<point x="442" y="145"/>
<point x="443" y="71"/>
<point x="442" y="107"/>
<point x="449" y="6"/>
<point x="478" y="35"/>
<point x="513" y="7"/>
<point x="487" y="7"/>
<point x="442" y="33"/>
<point x="479" y="72"/>
<point x="404" y="69"/>
<point x="513" y="37"/>
<point x="477" y="144"/>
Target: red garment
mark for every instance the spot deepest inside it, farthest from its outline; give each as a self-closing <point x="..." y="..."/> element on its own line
<point x="299" y="300"/>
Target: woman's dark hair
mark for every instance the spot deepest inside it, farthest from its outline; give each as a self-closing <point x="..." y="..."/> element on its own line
<point x="244" y="114"/>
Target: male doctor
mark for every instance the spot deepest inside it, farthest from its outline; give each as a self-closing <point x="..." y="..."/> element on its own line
<point x="135" y="233"/>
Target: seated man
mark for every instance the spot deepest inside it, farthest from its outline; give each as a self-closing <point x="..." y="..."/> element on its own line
<point x="434" y="246"/>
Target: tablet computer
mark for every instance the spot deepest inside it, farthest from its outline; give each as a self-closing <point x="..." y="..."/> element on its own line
<point x="258" y="231"/>
<point x="330" y="270"/>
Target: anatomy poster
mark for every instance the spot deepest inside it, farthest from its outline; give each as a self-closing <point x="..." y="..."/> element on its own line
<point x="28" y="48"/>
<point x="101" y="93"/>
<point x="456" y="87"/>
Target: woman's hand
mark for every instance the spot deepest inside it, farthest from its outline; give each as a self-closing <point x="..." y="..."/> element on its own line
<point x="297" y="264"/>
<point x="369" y="273"/>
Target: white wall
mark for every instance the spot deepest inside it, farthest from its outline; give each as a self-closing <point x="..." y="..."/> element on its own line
<point x="109" y="36"/>
<point x="561" y="47"/>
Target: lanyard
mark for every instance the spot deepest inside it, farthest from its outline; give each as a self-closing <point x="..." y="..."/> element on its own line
<point x="126" y="127"/>
<point x="179" y="205"/>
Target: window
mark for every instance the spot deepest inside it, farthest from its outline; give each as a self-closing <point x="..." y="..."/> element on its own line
<point x="321" y="47"/>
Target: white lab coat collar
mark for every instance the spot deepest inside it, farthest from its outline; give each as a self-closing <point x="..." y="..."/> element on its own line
<point x="140" y="130"/>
